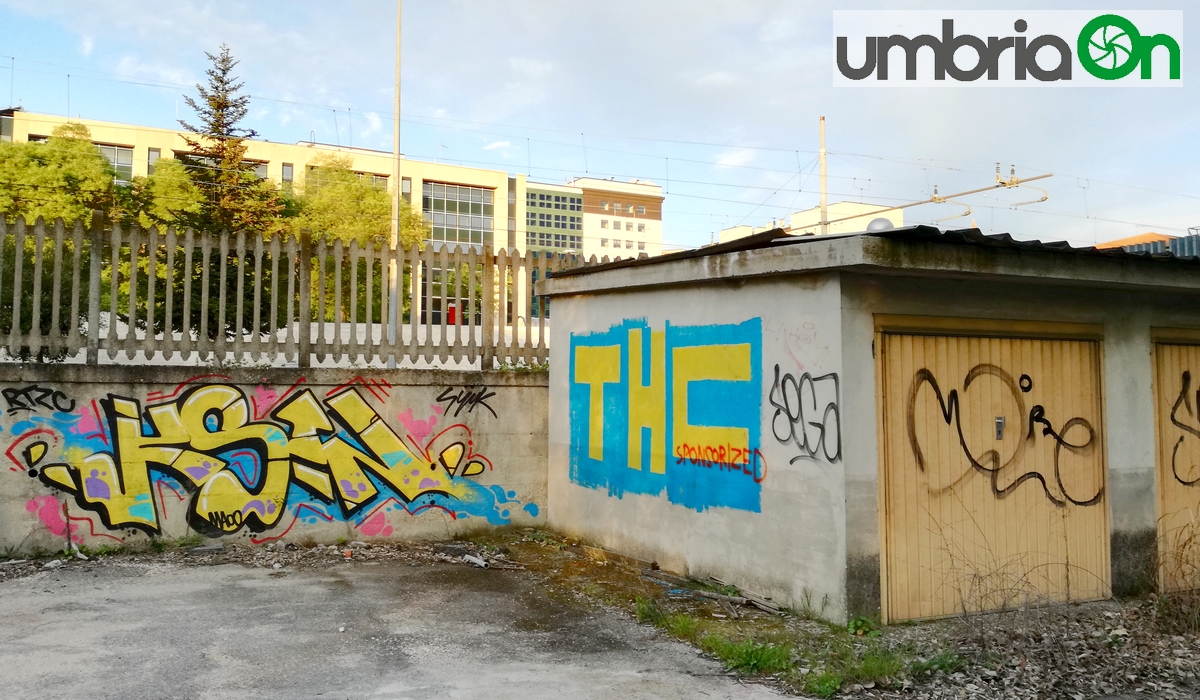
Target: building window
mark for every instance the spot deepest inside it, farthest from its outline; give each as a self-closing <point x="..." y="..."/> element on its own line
<point x="406" y="189"/>
<point x="641" y="245"/>
<point x="458" y="213"/>
<point x="628" y="245"/>
<point x="603" y="223"/>
<point x="641" y="210"/>
<point x="604" y="206"/>
<point x="603" y="242"/>
<point x="289" y="173"/>
<point x="628" y="225"/>
<point x="616" y="243"/>
<point x="629" y="208"/>
<point x="260" y="171"/>
<point x="121" y="159"/>
<point x="379" y="181"/>
<point x="576" y="204"/>
<point x="641" y="228"/>
<point x="617" y="207"/>
<point x="6" y="128"/>
<point x="152" y="156"/>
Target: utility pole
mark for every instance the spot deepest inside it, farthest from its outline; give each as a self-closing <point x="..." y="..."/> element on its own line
<point x="394" y="275"/>
<point x="824" y="184"/>
<point x="396" y="137"/>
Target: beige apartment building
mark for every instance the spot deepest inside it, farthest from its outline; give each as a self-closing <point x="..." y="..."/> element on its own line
<point x="844" y="217"/>
<point x="472" y="206"/>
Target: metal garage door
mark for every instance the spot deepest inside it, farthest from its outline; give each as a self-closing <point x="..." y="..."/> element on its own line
<point x="994" y="476"/>
<point x="1177" y="375"/>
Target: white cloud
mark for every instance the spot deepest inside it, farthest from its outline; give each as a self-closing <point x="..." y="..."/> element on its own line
<point x="496" y="144"/>
<point x="717" y="78"/>
<point x="86" y="44"/>
<point x="736" y="157"/>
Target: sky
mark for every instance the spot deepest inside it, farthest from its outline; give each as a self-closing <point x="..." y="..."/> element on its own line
<point x="718" y="102"/>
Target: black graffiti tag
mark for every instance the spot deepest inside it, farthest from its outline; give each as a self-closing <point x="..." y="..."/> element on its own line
<point x="1184" y="400"/>
<point x="988" y="463"/>
<point x="34" y="397"/>
<point x="467" y="397"/>
<point x="796" y="406"/>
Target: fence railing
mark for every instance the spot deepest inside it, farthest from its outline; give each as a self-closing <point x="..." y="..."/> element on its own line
<point x="104" y="295"/>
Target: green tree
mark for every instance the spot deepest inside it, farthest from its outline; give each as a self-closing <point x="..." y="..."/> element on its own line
<point x="234" y="198"/>
<point x="338" y="203"/>
<point x="169" y="196"/>
<point x="64" y="177"/>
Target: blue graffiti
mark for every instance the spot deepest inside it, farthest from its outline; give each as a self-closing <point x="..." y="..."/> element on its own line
<point x="698" y="475"/>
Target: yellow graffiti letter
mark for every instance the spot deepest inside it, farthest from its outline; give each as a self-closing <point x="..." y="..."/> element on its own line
<point x="647" y="404"/>
<point x="713" y="362"/>
<point x="597" y="366"/>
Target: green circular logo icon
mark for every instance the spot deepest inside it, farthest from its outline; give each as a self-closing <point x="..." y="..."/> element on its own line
<point x="1108" y="47"/>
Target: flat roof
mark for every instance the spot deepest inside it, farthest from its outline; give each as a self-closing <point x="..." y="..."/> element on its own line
<point x="910" y="250"/>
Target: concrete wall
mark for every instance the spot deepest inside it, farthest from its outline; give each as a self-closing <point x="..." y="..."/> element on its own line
<point x="733" y="466"/>
<point x="115" y="454"/>
<point x="1127" y="373"/>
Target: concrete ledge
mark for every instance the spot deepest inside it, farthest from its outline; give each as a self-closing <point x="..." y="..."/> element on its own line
<point x="159" y="374"/>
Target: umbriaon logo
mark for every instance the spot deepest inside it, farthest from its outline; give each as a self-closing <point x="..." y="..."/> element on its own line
<point x="1062" y="48"/>
<point x="1110" y="47"/>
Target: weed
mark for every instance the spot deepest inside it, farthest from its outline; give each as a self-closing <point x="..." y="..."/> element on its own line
<point x="104" y="550"/>
<point x="521" y="367"/>
<point x="158" y="544"/>
<point x="681" y="625"/>
<point x="192" y="540"/>
<point x="10" y="552"/>
<point x="823" y="684"/>
<point x="863" y="627"/>
<point x="946" y="662"/>
<point x="876" y="664"/>
<point x="807" y="611"/>
<point x="341" y="541"/>
<point x="647" y="611"/>
<point x="749" y="656"/>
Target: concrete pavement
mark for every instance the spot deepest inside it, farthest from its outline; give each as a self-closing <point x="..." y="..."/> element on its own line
<point x="148" y="629"/>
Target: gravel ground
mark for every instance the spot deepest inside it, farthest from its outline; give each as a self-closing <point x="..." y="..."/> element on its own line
<point x="1094" y="650"/>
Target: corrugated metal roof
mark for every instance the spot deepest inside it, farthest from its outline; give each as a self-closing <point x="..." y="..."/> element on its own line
<point x="923" y="234"/>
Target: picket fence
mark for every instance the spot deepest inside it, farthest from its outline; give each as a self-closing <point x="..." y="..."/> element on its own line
<point x="108" y="294"/>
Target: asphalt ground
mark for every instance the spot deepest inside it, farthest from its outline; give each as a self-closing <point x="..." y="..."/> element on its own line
<point x="126" y="628"/>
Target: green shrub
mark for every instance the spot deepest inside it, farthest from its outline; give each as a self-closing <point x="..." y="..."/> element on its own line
<point x="681" y="625"/>
<point x="749" y="656"/>
<point x="647" y="611"/>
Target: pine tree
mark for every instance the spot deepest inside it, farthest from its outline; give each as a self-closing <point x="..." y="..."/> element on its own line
<point x="234" y="198"/>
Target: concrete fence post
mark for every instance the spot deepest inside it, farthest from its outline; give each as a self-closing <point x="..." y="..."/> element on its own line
<point x="304" y="313"/>
<point x="95" y="255"/>
<point x="487" y="303"/>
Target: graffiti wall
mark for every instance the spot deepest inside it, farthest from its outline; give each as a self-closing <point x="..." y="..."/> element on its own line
<point x="672" y="410"/>
<point x="329" y="454"/>
<point x="690" y="430"/>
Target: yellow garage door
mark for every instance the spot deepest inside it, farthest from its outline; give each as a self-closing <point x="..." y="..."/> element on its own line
<point x="994" y="474"/>
<point x="1177" y="375"/>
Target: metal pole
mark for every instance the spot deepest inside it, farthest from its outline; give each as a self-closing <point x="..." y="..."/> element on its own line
<point x="824" y="184"/>
<point x="395" y="275"/>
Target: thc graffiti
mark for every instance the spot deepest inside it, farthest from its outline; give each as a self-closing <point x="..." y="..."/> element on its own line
<point x="674" y="411"/>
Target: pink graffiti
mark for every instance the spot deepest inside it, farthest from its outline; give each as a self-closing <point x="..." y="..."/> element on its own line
<point x="264" y="399"/>
<point x="419" y="429"/>
<point x="87" y="425"/>
<point x="376" y="525"/>
<point x="49" y="511"/>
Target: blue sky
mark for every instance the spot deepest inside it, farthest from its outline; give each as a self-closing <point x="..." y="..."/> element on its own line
<point x="717" y="101"/>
